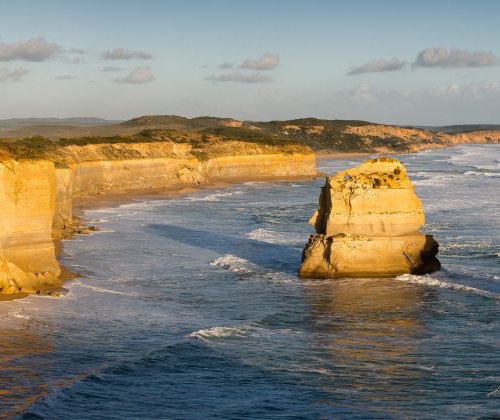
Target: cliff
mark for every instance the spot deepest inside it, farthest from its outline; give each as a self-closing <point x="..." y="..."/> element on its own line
<point x="27" y="205"/>
<point x="367" y="225"/>
<point x="40" y="180"/>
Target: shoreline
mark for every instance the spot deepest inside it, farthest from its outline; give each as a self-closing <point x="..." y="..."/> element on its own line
<point x="117" y="199"/>
<point x="111" y="199"/>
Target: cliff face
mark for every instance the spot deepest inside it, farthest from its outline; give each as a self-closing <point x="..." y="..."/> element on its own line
<point x="368" y="225"/>
<point x="27" y="204"/>
<point x="386" y="138"/>
<point x="36" y="197"/>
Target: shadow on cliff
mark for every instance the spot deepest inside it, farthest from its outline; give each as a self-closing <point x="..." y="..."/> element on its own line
<point x="428" y="260"/>
<point x="264" y="254"/>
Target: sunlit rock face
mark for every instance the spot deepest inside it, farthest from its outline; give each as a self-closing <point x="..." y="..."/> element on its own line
<point x="368" y="225"/>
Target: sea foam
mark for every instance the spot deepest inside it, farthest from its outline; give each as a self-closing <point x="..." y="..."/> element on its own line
<point x="231" y="263"/>
<point x="427" y="280"/>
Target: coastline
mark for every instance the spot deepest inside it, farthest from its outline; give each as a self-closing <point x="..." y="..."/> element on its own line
<point x="102" y="198"/>
<point x="110" y="199"/>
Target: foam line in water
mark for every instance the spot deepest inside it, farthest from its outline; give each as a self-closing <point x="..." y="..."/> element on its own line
<point x="216" y="196"/>
<point x="102" y="290"/>
<point x="272" y="237"/>
<point x="427" y="280"/>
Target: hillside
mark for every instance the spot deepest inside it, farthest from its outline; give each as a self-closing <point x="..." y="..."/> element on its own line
<point x="323" y="136"/>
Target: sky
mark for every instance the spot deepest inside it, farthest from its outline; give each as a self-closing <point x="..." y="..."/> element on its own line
<point x="402" y="62"/>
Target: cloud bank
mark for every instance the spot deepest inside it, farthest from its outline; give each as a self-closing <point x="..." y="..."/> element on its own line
<point x="137" y="76"/>
<point x="35" y="49"/>
<point x="241" y="78"/>
<point x="378" y="65"/>
<point x="454" y="57"/>
<point x="267" y="62"/>
<point x="12" y="75"/>
<point x="123" y="54"/>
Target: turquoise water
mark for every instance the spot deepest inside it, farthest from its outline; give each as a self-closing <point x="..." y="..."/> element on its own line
<point x="190" y="308"/>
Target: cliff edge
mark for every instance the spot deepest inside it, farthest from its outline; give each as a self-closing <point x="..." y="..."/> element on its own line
<point x="367" y="225"/>
<point x="40" y="179"/>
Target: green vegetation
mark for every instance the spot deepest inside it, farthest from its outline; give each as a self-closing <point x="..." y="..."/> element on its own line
<point x="209" y="136"/>
<point x="246" y="135"/>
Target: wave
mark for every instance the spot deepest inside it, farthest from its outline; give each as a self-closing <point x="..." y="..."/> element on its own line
<point x="433" y="179"/>
<point x="476" y="173"/>
<point x="494" y="393"/>
<point x="216" y="196"/>
<point x="231" y="263"/>
<point x="479" y="157"/>
<point x="219" y="332"/>
<point x="273" y="237"/>
<point x="102" y="290"/>
<point x="466" y="245"/>
<point x="17" y="314"/>
<point x="427" y="280"/>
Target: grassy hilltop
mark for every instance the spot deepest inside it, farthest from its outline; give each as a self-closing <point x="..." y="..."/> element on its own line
<point x="39" y="138"/>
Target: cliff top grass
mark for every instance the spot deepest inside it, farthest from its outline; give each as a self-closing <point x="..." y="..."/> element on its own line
<point x="204" y="144"/>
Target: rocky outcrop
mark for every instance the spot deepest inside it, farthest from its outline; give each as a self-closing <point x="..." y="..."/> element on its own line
<point x="36" y="196"/>
<point x="368" y="225"/>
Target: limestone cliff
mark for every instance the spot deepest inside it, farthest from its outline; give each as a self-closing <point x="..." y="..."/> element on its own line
<point x="36" y="195"/>
<point x="368" y="225"/>
<point x="27" y="204"/>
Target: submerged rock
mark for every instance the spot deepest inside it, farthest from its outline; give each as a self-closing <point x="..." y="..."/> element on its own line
<point x="368" y="225"/>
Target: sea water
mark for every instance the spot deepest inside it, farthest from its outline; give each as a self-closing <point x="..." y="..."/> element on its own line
<point x="190" y="307"/>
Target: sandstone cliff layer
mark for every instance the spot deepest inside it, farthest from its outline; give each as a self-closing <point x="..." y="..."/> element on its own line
<point x="367" y="225"/>
<point x="36" y="196"/>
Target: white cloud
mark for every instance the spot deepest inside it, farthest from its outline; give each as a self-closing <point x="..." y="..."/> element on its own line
<point x="138" y="76"/>
<point x="123" y="54"/>
<point x="454" y="57"/>
<point x="12" y="75"/>
<point x="267" y="62"/>
<point x="241" y="78"/>
<point x="35" y="49"/>
<point x="454" y="103"/>
<point x="378" y="65"/>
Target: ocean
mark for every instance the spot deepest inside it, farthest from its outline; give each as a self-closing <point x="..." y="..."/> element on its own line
<point x="190" y="307"/>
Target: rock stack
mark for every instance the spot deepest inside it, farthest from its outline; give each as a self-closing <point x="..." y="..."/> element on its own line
<point x="367" y="225"/>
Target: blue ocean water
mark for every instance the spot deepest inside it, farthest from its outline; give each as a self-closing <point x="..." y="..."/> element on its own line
<point x="190" y="307"/>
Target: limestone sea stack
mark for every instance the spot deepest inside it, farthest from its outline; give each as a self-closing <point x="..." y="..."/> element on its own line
<point x="367" y="225"/>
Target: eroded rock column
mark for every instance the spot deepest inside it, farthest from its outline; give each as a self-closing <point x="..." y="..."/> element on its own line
<point x="367" y="225"/>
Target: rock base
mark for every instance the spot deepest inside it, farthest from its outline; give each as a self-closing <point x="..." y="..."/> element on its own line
<point x="345" y="255"/>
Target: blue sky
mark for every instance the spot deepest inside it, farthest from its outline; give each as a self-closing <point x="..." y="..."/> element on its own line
<point x="427" y="62"/>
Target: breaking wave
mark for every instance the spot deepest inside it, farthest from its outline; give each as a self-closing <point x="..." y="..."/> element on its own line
<point x="427" y="280"/>
<point x="231" y="263"/>
<point x="216" y="196"/>
<point x="273" y="237"/>
<point x="219" y="332"/>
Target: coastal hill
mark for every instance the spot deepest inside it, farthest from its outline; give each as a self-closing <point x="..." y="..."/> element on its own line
<point x="323" y="136"/>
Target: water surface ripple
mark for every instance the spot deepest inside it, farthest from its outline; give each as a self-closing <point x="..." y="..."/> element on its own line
<point x="190" y="308"/>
